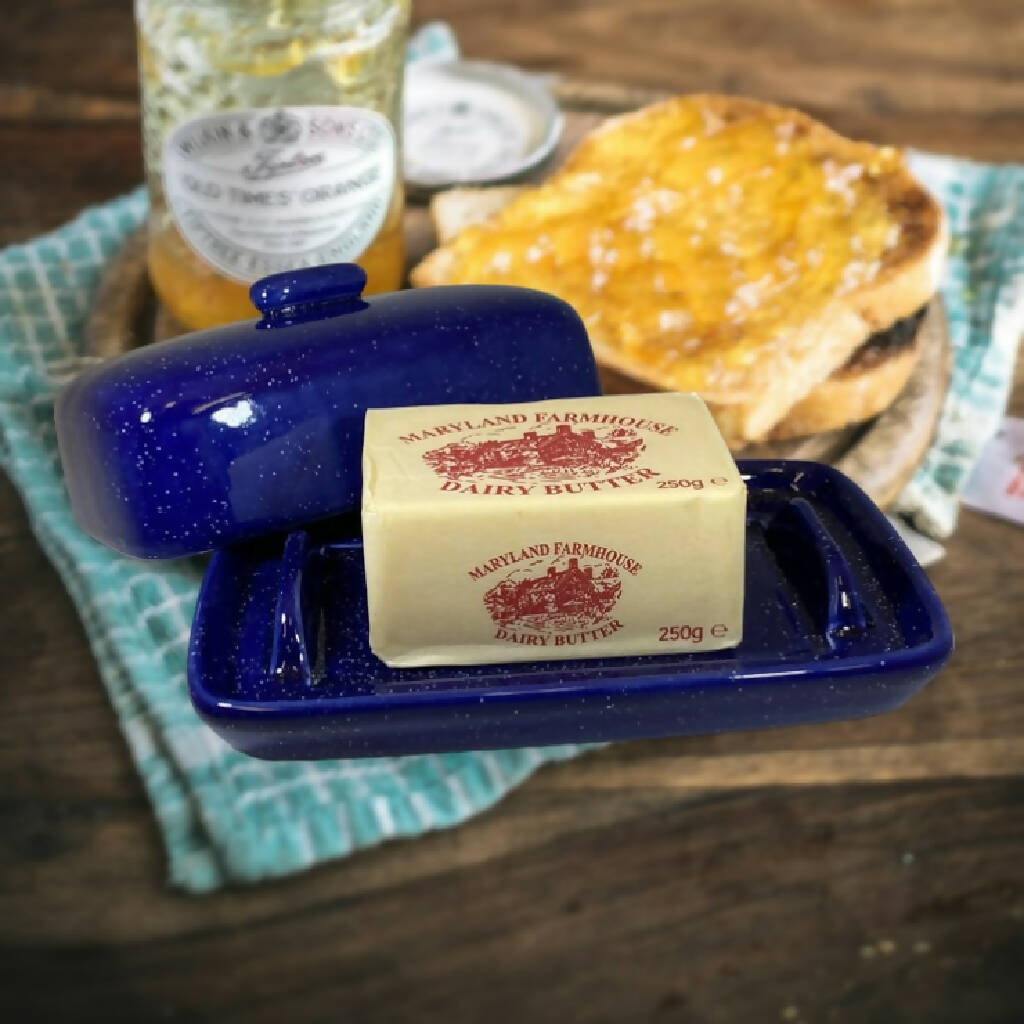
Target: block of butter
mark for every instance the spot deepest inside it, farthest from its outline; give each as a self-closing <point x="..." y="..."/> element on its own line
<point x="572" y="528"/>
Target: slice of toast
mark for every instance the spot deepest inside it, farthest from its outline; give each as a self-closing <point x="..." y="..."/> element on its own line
<point x="864" y="386"/>
<point x="719" y="245"/>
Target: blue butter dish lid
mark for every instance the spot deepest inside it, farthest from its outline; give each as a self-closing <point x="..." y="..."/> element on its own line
<point x="839" y="622"/>
<point x="233" y="433"/>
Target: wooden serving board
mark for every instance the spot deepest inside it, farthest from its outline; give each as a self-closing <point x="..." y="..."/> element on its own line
<point x="881" y="455"/>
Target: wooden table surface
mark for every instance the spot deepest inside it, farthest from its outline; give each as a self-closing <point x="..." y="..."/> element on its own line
<point x="867" y="871"/>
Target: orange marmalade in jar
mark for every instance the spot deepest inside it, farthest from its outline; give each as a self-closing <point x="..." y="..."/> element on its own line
<point x="271" y="142"/>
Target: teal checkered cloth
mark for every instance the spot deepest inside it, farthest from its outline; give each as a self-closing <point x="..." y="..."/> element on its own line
<point x="983" y="290"/>
<point x="227" y="818"/>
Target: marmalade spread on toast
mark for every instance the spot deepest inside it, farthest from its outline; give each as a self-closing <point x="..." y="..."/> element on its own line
<point x="692" y="240"/>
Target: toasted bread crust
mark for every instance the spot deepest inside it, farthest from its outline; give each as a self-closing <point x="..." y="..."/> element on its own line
<point x="749" y="405"/>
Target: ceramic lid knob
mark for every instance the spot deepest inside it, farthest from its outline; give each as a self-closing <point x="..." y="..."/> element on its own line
<point x="308" y="290"/>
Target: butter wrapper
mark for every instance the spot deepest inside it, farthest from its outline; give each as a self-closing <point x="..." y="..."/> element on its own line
<point x="573" y="528"/>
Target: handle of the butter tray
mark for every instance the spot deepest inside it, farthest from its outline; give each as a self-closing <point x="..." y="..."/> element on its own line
<point x="289" y="657"/>
<point x="844" y="617"/>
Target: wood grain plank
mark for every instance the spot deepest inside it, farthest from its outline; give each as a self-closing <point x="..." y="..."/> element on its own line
<point x="935" y="74"/>
<point x="938" y="759"/>
<point x="847" y="903"/>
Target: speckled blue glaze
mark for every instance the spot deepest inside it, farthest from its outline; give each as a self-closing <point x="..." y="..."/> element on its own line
<point x="236" y="432"/>
<point x="839" y="622"/>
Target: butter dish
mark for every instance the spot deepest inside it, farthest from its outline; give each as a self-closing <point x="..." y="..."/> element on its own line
<point x="840" y="622"/>
<point x="232" y="433"/>
<point x="248" y="439"/>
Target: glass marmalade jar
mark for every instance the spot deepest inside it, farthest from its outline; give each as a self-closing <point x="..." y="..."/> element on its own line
<point x="271" y="142"/>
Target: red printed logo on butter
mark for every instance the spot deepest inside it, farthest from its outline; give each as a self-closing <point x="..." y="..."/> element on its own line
<point x="555" y="595"/>
<point x="560" y="453"/>
<point x="542" y="452"/>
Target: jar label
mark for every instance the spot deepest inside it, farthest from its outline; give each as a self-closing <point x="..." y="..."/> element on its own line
<point x="256" y="192"/>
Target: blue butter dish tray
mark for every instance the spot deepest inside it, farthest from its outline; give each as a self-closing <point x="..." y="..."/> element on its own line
<point x="840" y="622"/>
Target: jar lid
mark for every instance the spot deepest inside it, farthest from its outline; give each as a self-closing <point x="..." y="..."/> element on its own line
<point x="472" y="122"/>
<point x="231" y="433"/>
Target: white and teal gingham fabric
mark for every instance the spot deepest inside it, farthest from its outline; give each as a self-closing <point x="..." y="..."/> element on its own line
<point x="228" y="818"/>
<point x="983" y="290"/>
<point x="225" y="817"/>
